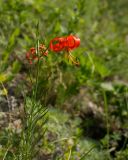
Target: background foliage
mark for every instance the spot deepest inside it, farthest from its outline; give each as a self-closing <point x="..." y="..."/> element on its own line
<point x="87" y="104"/>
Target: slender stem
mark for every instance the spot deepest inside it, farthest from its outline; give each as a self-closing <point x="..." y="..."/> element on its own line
<point x="37" y="79"/>
<point x="70" y="151"/>
<point x="29" y="71"/>
<point x="107" y="119"/>
<point x="6" y="94"/>
<point x="85" y="154"/>
<point x="126" y="101"/>
<point x="6" y="153"/>
<point x="63" y="139"/>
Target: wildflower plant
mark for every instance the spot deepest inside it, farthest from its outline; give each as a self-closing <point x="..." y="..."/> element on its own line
<point x="36" y="113"/>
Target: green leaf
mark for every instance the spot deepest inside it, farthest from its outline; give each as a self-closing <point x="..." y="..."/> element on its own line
<point x="16" y="67"/>
<point x="3" y="77"/>
<point x="107" y="86"/>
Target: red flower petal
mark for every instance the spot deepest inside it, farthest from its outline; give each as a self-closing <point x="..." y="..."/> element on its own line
<point x="77" y="41"/>
<point x="73" y="42"/>
<point x="57" y="44"/>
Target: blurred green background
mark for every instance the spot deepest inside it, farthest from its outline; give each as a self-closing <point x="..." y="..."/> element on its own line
<point x="87" y="104"/>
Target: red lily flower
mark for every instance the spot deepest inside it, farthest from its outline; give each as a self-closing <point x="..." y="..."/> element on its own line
<point x="65" y="44"/>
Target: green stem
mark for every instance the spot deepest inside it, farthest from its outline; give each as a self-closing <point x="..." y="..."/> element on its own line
<point x="70" y="152"/>
<point x="107" y="119"/>
<point x="37" y="69"/>
<point x="85" y="154"/>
